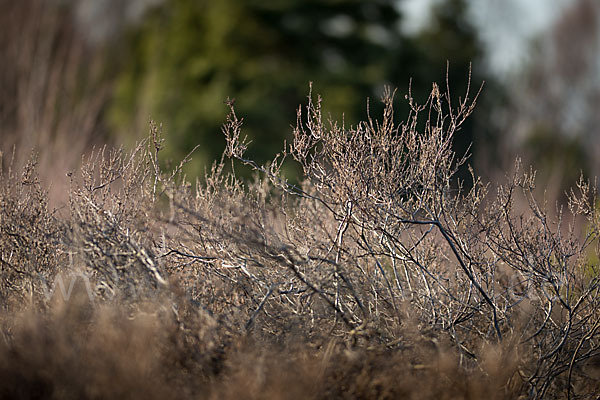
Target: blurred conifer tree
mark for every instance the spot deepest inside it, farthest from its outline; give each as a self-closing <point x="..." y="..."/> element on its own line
<point x="190" y="55"/>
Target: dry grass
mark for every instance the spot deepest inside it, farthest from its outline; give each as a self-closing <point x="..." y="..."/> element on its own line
<point x="376" y="277"/>
<point x="52" y="91"/>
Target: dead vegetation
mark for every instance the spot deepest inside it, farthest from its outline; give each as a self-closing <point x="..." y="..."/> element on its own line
<point x="378" y="276"/>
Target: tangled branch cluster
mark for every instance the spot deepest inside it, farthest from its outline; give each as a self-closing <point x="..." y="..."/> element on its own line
<point x="379" y="247"/>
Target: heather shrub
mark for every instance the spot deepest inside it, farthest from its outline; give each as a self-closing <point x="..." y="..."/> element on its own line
<point x="379" y="275"/>
<point x="29" y="238"/>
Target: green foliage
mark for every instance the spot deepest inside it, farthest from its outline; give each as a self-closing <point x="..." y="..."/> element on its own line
<point x="188" y="56"/>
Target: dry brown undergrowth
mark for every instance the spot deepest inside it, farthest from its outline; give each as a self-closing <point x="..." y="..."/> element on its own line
<point x="378" y="276"/>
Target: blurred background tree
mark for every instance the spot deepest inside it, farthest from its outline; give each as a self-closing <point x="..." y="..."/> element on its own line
<point x="53" y="89"/>
<point x="187" y="56"/>
<point x="555" y="107"/>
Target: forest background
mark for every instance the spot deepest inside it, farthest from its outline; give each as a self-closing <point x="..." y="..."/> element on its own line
<point x="79" y="74"/>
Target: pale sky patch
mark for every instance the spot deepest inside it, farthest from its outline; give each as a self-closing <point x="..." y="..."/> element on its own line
<point x="506" y="27"/>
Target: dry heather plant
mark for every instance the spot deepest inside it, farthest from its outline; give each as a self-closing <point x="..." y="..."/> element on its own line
<point x="377" y="276"/>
